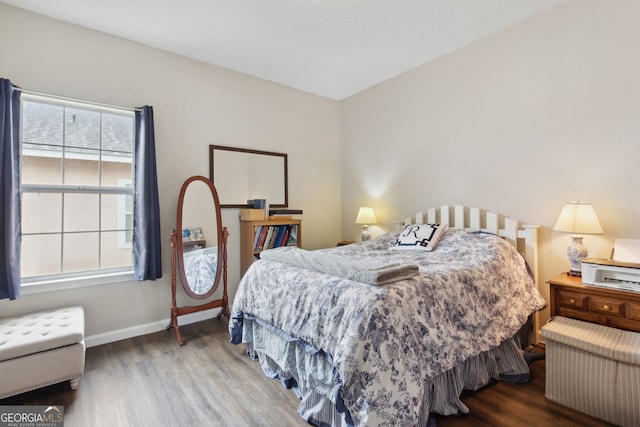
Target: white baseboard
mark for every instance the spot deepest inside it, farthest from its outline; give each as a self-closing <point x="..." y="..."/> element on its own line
<point x="148" y="328"/>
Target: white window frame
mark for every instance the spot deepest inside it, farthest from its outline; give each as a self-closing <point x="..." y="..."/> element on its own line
<point x="71" y="280"/>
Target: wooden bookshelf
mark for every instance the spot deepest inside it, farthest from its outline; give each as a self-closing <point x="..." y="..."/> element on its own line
<point x="255" y="236"/>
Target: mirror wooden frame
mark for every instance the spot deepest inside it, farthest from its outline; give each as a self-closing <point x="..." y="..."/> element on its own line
<point x="285" y="186"/>
<point x="177" y="263"/>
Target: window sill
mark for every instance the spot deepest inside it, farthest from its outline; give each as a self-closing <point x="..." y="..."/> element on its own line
<point x="34" y="286"/>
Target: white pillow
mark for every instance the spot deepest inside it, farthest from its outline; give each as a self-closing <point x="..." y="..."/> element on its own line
<point x="423" y="237"/>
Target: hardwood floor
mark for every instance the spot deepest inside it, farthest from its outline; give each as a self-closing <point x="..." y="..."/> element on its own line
<point x="151" y="381"/>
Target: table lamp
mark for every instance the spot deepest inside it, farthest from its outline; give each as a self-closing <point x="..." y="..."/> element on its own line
<point x="366" y="216"/>
<point x="577" y="218"/>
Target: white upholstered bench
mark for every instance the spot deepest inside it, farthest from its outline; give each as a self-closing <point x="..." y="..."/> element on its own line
<point x="594" y="369"/>
<point x="41" y="349"/>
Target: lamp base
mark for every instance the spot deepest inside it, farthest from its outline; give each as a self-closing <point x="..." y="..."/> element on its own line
<point x="365" y="235"/>
<point x="576" y="252"/>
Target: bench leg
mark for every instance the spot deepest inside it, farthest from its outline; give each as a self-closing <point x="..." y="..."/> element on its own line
<point x="74" y="382"/>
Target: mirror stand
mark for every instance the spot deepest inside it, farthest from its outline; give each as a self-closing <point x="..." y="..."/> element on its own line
<point x="176" y="311"/>
<point x="198" y="251"/>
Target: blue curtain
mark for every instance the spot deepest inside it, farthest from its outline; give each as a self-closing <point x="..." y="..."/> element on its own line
<point x="10" y="224"/>
<point x="147" y="263"/>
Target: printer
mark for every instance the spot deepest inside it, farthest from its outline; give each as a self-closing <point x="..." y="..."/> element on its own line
<point x="609" y="273"/>
<point x="621" y="271"/>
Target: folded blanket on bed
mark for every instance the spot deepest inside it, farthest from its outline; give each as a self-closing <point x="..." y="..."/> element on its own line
<point x="371" y="272"/>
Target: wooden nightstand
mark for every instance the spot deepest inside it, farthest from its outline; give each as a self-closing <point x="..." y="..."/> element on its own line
<point x="610" y="307"/>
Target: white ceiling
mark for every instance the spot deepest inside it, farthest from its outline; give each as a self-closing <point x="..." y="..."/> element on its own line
<point x="332" y="48"/>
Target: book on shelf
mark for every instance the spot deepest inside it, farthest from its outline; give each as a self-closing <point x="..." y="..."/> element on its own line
<point x="292" y="240"/>
<point x="276" y="212"/>
<point x="261" y="237"/>
<point x="274" y="236"/>
<point x="278" y="240"/>
<point x="256" y="237"/>
<point x="268" y="243"/>
<point x="285" y="237"/>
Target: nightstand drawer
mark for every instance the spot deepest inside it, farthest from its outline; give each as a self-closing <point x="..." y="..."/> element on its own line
<point x="633" y="310"/>
<point x="574" y="300"/>
<point x="587" y="316"/>
<point x="607" y="305"/>
<point x="620" y="323"/>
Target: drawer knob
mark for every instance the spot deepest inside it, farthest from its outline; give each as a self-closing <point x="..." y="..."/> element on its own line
<point x="606" y="307"/>
<point x="572" y="301"/>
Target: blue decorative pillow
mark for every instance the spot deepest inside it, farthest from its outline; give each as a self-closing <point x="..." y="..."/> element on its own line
<point x="420" y="237"/>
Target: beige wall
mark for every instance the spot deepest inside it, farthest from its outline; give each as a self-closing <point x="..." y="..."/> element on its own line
<point x="542" y="113"/>
<point x="194" y="105"/>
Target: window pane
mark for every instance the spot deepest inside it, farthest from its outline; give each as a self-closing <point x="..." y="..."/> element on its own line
<point x="80" y="252"/>
<point x="117" y="174"/>
<point x="33" y="204"/>
<point x="113" y="255"/>
<point x="81" y="212"/>
<point x="40" y="255"/>
<point x="109" y="208"/>
<point x="82" y="171"/>
<point x="117" y="146"/>
<point x="42" y="123"/>
<point x="117" y="133"/>
<point x="82" y="128"/>
<point x="117" y="212"/>
<point x="42" y="170"/>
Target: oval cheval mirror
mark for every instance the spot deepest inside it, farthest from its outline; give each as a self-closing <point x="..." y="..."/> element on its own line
<point x="198" y="250"/>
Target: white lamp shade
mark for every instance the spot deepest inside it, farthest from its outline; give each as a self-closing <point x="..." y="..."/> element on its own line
<point x="578" y="218"/>
<point x="366" y="216"/>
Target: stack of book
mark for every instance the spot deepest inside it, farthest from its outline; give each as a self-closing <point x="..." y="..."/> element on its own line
<point x="283" y="213"/>
<point x="275" y="236"/>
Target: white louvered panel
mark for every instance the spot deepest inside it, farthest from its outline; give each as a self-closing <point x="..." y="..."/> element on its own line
<point x="529" y="234"/>
<point x="510" y="231"/>
<point x="492" y="223"/>
<point x="474" y="219"/>
<point x="458" y="218"/>
<point x="444" y="215"/>
<point x="431" y="216"/>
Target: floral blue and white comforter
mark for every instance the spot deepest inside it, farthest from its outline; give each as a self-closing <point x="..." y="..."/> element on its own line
<point x="474" y="291"/>
<point x="200" y="268"/>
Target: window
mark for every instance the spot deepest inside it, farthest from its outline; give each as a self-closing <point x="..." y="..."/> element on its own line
<point x="77" y="197"/>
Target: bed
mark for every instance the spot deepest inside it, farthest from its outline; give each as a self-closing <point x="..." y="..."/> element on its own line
<point x="200" y="267"/>
<point x="369" y="335"/>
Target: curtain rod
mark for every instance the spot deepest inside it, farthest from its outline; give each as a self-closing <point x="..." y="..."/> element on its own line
<point x="66" y="98"/>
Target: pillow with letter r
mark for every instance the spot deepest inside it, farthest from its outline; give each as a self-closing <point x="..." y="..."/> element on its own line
<point x="423" y="237"/>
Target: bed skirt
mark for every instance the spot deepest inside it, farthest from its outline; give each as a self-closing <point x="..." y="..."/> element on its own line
<point x="310" y="373"/>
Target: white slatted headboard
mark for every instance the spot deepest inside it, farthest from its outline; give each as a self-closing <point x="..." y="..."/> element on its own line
<point x="523" y="237"/>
